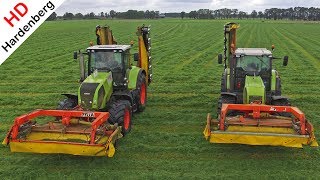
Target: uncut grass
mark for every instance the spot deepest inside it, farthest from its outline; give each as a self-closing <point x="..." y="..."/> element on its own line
<point x="166" y="140"/>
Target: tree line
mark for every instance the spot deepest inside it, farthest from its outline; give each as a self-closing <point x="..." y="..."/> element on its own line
<point x="130" y="14"/>
<point x="295" y="13"/>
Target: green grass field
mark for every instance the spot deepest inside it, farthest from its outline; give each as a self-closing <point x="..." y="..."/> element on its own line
<point x="166" y="140"/>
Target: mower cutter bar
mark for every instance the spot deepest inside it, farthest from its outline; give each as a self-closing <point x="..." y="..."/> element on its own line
<point x="71" y="132"/>
<point x="257" y="125"/>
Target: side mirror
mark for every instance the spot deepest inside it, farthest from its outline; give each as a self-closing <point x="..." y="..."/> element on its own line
<point x="136" y="57"/>
<point x="75" y="55"/>
<point x="220" y="58"/>
<point x="285" y="60"/>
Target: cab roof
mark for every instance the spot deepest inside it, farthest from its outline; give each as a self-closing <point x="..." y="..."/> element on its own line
<point x="109" y="47"/>
<point x="253" y="52"/>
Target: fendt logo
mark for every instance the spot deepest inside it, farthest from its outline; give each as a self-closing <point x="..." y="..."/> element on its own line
<point x="20" y="9"/>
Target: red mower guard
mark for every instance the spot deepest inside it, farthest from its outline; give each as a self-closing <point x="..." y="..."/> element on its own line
<point x="70" y="132"/>
<point x="260" y="125"/>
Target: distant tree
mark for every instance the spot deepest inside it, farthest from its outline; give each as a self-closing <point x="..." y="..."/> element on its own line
<point x="102" y="14"/>
<point x="106" y="15"/>
<point x="193" y="14"/>
<point x="78" y="16"/>
<point x="242" y="15"/>
<point x="254" y="14"/>
<point x="182" y="14"/>
<point x="217" y="14"/>
<point x="68" y="15"/>
<point x="52" y="17"/>
<point x="86" y="16"/>
<point x="133" y="14"/>
<point x="260" y="14"/>
<point x="113" y="14"/>
<point x="234" y="13"/>
<point x="204" y="13"/>
<point x="152" y="14"/>
<point x="227" y="13"/>
<point x="140" y="14"/>
<point x="173" y="15"/>
<point x="92" y="15"/>
<point x="157" y="14"/>
<point x="147" y="14"/>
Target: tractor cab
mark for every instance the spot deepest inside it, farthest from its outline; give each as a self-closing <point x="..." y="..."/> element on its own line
<point x="253" y="61"/>
<point x="110" y="59"/>
<point x="104" y="58"/>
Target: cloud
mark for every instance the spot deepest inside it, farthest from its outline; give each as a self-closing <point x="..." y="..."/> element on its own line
<point x="97" y="6"/>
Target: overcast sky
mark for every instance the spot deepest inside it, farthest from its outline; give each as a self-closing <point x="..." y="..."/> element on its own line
<point x="97" y="6"/>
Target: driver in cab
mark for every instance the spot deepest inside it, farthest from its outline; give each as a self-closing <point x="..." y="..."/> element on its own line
<point x="105" y="61"/>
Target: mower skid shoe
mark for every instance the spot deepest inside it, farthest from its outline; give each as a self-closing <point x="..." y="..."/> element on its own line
<point x="76" y="132"/>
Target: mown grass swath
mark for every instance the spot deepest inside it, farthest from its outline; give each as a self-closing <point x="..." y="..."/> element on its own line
<point x="166" y="140"/>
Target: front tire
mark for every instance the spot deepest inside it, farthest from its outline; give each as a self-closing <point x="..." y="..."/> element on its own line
<point x="282" y="102"/>
<point x="67" y="104"/>
<point x="225" y="100"/>
<point x="121" y="113"/>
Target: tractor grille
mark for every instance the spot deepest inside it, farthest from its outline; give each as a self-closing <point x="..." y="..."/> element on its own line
<point x="255" y="99"/>
<point x="87" y="91"/>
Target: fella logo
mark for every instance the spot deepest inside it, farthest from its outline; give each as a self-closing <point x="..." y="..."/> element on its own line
<point x="19" y="10"/>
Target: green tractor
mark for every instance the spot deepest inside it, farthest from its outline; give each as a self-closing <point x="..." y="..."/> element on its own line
<point x="251" y="109"/>
<point x="248" y="75"/>
<point x="109" y="82"/>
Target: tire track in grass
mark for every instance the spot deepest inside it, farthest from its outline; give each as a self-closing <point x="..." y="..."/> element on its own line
<point x="304" y="42"/>
<point x="194" y="57"/>
<point x="307" y="35"/>
<point x="183" y="48"/>
<point x="285" y="49"/>
<point x="296" y="94"/>
<point x="183" y="34"/>
<point x="208" y="43"/>
<point x="313" y="60"/>
<point x="168" y="30"/>
<point x="251" y="35"/>
<point x="172" y="35"/>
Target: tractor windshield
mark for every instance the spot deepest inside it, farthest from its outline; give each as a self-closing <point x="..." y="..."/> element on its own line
<point x="105" y="60"/>
<point x="253" y="64"/>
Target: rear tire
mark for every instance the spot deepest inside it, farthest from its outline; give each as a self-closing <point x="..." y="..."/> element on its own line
<point x="278" y="87"/>
<point x="141" y="93"/>
<point x="121" y="113"/>
<point x="223" y="84"/>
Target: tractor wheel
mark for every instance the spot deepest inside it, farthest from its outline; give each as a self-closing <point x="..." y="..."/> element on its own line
<point x="278" y="87"/>
<point x="223" y="83"/>
<point x="282" y="102"/>
<point x="225" y="100"/>
<point x="120" y="112"/>
<point x="141" y="93"/>
<point x="67" y="104"/>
